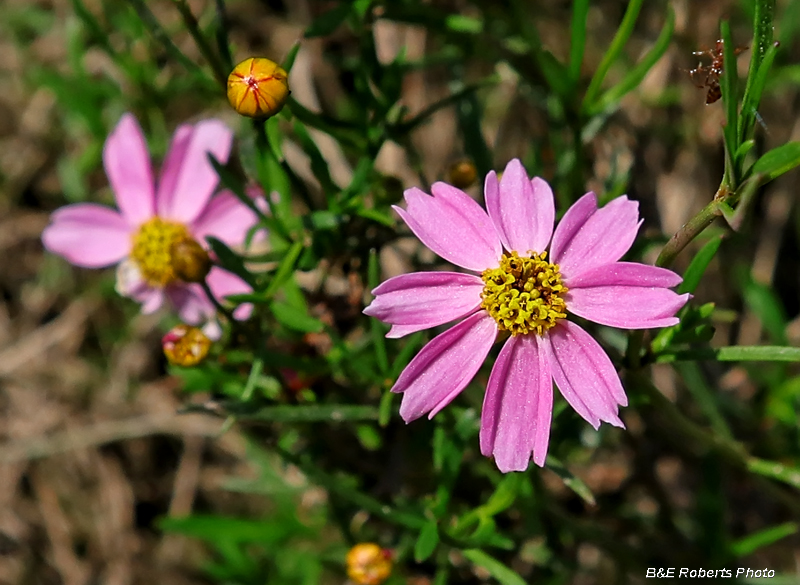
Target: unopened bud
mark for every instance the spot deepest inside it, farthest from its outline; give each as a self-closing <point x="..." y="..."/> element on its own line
<point x="462" y="174"/>
<point x="258" y="88"/>
<point x="369" y="564"/>
<point x="190" y="261"/>
<point x="185" y="346"/>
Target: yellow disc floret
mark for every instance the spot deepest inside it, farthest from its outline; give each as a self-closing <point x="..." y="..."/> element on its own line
<point x="524" y="295"/>
<point x="153" y="250"/>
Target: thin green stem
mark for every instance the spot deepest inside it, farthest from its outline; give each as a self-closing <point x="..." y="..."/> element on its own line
<point x="217" y="305"/>
<point x="213" y="59"/>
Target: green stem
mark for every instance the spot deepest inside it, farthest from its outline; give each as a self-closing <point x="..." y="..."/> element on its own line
<point x="700" y="441"/>
<point x="228" y="314"/>
<point x="205" y="48"/>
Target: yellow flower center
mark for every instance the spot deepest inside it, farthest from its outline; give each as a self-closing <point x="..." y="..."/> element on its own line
<point x="153" y="250"/>
<point x="524" y="295"/>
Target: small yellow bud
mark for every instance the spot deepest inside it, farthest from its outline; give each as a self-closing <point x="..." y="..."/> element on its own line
<point x="258" y="87"/>
<point x="369" y="564"/>
<point x="185" y="346"/>
<point x="462" y="174"/>
<point x="190" y="261"/>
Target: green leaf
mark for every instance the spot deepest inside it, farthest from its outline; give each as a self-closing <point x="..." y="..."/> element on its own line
<point x="730" y="99"/>
<point x="580" y="11"/>
<point x="764" y="302"/>
<point x="503" y="574"/>
<point x="288" y="61"/>
<point x="635" y="76"/>
<point x="571" y="481"/>
<point x="229" y="259"/>
<point x="752" y="542"/>
<point x="612" y="54"/>
<point x="505" y="494"/>
<point x="735" y="353"/>
<point x="319" y="166"/>
<point x="756" y="81"/>
<point x="786" y="474"/>
<point x="463" y="24"/>
<point x="294" y="318"/>
<point x="783" y="402"/>
<point x="328" y="22"/>
<point x="427" y="541"/>
<point x="385" y="408"/>
<point x="697" y="267"/>
<point x="777" y="161"/>
<point x="311" y="413"/>
<point x="377" y="329"/>
<point x="212" y="528"/>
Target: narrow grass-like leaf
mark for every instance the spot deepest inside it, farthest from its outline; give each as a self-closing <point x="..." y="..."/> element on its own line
<point x="765" y="303"/>
<point x="377" y="330"/>
<point x="286" y="413"/>
<point x="775" y="470"/>
<point x="612" y="54"/>
<point x="503" y="574"/>
<point x="427" y="541"/>
<point x="291" y="55"/>
<point x="295" y="319"/>
<point x="698" y="265"/>
<point x="328" y="22"/>
<point x="635" y="76"/>
<point x="285" y="270"/>
<point x="752" y="542"/>
<point x="734" y="353"/>
<point x="777" y="161"/>
<point x="730" y="100"/>
<point x="319" y="165"/>
<point x="580" y="11"/>
<point x="571" y="481"/>
<point x="703" y="395"/>
<point x="229" y="259"/>
<point x="756" y="81"/>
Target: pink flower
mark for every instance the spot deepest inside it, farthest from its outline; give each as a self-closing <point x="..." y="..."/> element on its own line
<point x="524" y="294"/>
<point x="139" y="238"/>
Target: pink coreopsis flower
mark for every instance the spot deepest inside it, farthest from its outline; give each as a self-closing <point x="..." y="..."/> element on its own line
<point x="522" y="291"/>
<point x="140" y="237"/>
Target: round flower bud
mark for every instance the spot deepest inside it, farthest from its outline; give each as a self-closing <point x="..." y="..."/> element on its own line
<point x="369" y="564"/>
<point x="189" y="260"/>
<point x="258" y="87"/>
<point x="462" y="174"/>
<point x="185" y="346"/>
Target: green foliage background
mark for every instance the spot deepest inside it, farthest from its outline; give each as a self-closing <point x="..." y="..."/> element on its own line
<point x="590" y="95"/>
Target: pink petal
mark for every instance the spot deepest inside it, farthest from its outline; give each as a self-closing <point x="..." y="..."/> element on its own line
<point x="88" y="235"/>
<point x="521" y="209"/>
<point x="588" y="237"/>
<point x="584" y="375"/>
<point x="192" y="178"/>
<point x="453" y="225"/>
<point x="441" y="370"/>
<point x="223" y="283"/>
<point x="170" y="168"/>
<point x="127" y="164"/>
<point x="420" y="300"/>
<point x="225" y="218"/>
<point x="627" y="295"/>
<point x="130" y="284"/>
<point x="518" y="406"/>
<point x="191" y="303"/>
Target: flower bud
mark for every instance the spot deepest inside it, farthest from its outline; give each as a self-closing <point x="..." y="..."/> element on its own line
<point x="258" y="88"/>
<point x="462" y="174"/>
<point x="369" y="564"/>
<point x="185" y="346"/>
<point x="190" y="261"/>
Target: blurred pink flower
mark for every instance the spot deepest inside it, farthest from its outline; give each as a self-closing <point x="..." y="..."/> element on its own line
<point x="521" y="294"/>
<point x="152" y="218"/>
